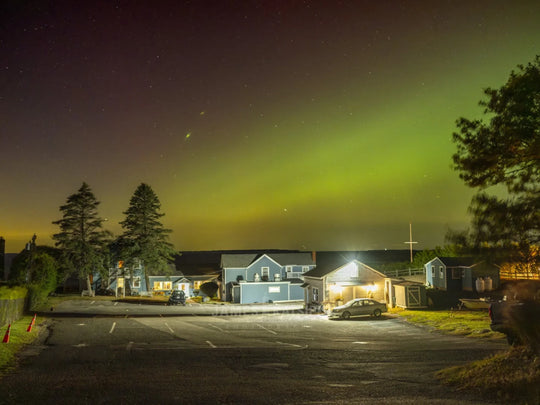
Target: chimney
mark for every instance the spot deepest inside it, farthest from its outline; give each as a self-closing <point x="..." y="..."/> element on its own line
<point x="314" y="256"/>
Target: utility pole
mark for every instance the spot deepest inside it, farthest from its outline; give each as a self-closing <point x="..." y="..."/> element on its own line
<point x="410" y="242"/>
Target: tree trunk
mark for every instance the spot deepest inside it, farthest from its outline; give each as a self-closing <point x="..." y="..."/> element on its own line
<point x="89" y="286"/>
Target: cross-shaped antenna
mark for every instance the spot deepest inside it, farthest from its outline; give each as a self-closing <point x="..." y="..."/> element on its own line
<point x="410" y="242"/>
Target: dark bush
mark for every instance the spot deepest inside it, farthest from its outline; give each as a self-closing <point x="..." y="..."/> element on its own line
<point x="210" y="289"/>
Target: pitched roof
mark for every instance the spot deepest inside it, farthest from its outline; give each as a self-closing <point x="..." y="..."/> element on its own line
<point x="458" y="261"/>
<point x="319" y="272"/>
<point x="330" y="261"/>
<point x="237" y="260"/>
<point x="244" y="260"/>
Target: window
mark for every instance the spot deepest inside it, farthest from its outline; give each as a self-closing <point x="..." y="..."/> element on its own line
<point x="296" y="273"/>
<point x="315" y="294"/>
<point x="197" y="284"/>
<point x="136" y="282"/>
<point x="441" y="272"/>
<point x="432" y="271"/>
<point x="265" y="271"/>
<point x="274" y="289"/>
<point x="162" y="285"/>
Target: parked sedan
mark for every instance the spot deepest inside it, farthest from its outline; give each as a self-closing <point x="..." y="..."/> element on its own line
<point x="358" y="307"/>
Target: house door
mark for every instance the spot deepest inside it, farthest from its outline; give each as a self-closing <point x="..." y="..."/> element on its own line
<point x="413" y="297"/>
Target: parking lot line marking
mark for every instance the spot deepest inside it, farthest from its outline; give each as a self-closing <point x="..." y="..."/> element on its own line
<point x="168" y="327"/>
<point x="112" y="327"/>
<point x="290" y="344"/>
<point x="213" y="346"/>
<point x="271" y="331"/>
<point x="116" y="303"/>
<point x="217" y="327"/>
<point x="92" y="302"/>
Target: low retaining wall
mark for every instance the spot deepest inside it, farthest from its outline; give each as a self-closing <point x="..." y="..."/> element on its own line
<point x="11" y="310"/>
<point x="12" y="304"/>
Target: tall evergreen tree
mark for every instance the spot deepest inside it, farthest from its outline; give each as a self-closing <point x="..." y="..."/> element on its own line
<point x="504" y="150"/>
<point x="82" y="238"/>
<point x="144" y="236"/>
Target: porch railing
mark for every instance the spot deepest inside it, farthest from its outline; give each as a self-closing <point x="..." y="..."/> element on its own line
<point x="405" y="272"/>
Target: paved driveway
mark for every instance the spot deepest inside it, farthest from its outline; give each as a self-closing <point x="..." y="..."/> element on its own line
<point x="280" y="358"/>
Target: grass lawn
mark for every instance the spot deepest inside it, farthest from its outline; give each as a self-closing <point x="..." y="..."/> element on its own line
<point x="512" y="376"/>
<point x="19" y="337"/>
<point x="462" y="322"/>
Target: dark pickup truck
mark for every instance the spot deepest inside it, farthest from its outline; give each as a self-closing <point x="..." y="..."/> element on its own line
<point x="519" y="317"/>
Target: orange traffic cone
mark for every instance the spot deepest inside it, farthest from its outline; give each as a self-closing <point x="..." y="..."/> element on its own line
<point x="29" y="329"/>
<point x="6" y="336"/>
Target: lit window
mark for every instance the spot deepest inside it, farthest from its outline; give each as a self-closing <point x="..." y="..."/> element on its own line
<point x="441" y="272"/>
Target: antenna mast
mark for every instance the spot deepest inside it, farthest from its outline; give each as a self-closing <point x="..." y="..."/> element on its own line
<point x="410" y="242"/>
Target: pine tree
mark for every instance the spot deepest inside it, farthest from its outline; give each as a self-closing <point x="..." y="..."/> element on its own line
<point x="504" y="150"/>
<point x="82" y="238"/>
<point x="144" y="238"/>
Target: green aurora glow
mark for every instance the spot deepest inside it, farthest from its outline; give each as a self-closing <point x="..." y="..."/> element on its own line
<point x="307" y="132"/>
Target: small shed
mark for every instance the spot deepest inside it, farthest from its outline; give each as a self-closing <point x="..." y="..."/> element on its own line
<point x="405" y="293"/>
<point x="410" y="295"/>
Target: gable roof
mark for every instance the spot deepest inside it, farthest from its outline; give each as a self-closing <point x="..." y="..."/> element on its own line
<point x="237" y="260"/>
<point x="283" y="259"/>
<point x="330" y="261"/>
<point x="319" y="272"/>
<point x="457" y="261"/>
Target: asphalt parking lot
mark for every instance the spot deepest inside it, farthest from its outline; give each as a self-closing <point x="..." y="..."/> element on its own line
<point x="269" y="358"/>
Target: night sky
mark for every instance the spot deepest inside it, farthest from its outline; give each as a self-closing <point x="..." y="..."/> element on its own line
<point x="259" y="124"/>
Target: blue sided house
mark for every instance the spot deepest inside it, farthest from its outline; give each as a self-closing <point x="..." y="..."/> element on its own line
<point x="461" y="274"/>
<point x="264" y="277"/>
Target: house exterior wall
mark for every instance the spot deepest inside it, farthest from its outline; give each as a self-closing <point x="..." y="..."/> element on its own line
<point x="264" y="263"/>
<point x="314" y="283"/>
<point x="296" y="292"/>
<point x="454" y="279"/>
<point x="434" y="278"/>
<point x="277" y="273"/>
<point x="353" y="280"/>
<point x="233" y="274"/>
<point x="137" y="283"/>
<point x="263" y="292"/>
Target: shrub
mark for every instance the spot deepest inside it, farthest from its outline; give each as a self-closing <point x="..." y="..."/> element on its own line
<point x="210" y="289"/>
